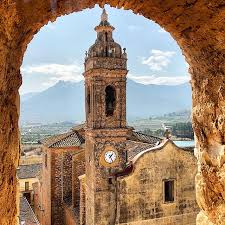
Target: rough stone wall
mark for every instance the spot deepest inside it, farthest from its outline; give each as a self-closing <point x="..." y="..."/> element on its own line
<point x="100" y="193"/>
<point x="82" y="200"/>
<point x="67" y="176"/>
<point x="37" y="200"/>
<point x="56" y="188"/>
<point x="56" y="184"/>
<point x="197" y="26"/>
<point x="78" y="170"/>
<point x="45" y="188"/>
<point x="141" y="194"/>
<point x="69" y="217"/>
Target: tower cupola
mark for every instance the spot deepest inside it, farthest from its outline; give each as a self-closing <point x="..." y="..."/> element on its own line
<point x="105" y="47"/>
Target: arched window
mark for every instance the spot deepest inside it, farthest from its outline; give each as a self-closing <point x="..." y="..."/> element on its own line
<point x="110" y="100"/>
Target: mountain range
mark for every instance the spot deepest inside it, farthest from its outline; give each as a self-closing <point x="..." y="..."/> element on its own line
<point x="65" y="101"/>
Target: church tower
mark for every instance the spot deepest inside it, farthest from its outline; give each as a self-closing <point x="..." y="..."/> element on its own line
<point x="106" y="132"/>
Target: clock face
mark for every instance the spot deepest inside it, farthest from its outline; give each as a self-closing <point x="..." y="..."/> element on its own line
<point x="110" y="156"/>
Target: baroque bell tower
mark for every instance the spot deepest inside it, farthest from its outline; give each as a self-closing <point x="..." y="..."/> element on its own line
<point x="106" y="131"/>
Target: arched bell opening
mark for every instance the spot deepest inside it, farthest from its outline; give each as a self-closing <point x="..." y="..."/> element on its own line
<point x="110" y="100"/>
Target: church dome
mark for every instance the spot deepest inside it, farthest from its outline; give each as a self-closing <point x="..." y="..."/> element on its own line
<point x="105" y="46"/>
<point x="101" y="49"/>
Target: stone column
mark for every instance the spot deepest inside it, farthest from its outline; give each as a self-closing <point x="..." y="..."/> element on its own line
<point x="10" y="81"/>
<point x="82" y="199"/>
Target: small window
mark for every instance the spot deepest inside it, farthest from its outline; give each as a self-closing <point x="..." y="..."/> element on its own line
<point x="168" y="191"/>
<point x="110" y="180"/>
<point x="26" y="186"/>
<point x="110" y="100"/>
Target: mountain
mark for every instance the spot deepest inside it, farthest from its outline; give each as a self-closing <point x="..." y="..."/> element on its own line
<point x="65" y="101"/>
<point x="27" y="96"/>
<point x="147" y="100"/>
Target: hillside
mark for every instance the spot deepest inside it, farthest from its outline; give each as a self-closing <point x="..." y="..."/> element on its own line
<point x="65" y="102"/>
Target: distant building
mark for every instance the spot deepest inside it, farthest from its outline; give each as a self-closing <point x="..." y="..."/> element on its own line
<point x="27" y="175"/>
<point x="30" y="154"/>
<point x="105" y="173"/>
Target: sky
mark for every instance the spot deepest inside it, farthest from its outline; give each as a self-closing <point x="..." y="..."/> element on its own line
<point x="57" y="51"/>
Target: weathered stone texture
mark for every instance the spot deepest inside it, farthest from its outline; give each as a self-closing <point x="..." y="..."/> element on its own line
<point x="78" y="170"/>
<point x="199" y="29"/>
<point x="67" y="175"/>
<point x="141" y="194"/>
<point x="69" y="217"/>
<point x="55" y="185"/>
<point x="44" y="190"/>
<point x="100" y="193"/>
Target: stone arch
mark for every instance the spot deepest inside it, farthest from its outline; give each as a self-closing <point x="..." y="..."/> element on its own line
<point x="199" y="29"/>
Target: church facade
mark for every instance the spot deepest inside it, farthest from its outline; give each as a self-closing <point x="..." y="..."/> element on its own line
<point x="106" y="173"/>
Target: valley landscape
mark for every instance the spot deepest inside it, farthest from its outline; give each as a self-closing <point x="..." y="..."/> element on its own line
<point x="65" y="102"/>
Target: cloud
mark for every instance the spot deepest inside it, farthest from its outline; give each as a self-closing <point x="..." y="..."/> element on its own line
<point x="159" y="80"/>
<point x="56" y="72"/>
<point x="158" y="59"/>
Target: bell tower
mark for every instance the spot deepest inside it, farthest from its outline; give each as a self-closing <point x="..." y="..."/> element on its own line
<point x="106" y="132"/>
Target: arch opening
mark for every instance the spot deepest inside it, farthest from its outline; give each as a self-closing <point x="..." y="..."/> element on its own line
<point x="110" y="100"/>
<point x="197" y="39"/>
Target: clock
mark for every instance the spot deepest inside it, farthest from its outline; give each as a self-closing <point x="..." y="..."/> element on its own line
<point x="110" y="156"/>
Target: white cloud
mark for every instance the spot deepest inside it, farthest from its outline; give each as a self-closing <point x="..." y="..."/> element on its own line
<point x="56" y="72"/>
<point x="158" y="59"/>
<point x="159" y="80"/>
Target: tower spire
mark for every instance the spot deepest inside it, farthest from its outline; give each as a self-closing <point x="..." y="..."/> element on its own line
<point x="104" y="16"/>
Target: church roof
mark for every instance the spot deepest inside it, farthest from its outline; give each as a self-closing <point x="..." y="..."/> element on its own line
<point x="137" y="140"/>
<point x="28" y="171"/>
<point x="134" y="148"/>
<point x="26" y="213"/>
<point x="138" y="136"/>
<point x="69" y="139"/>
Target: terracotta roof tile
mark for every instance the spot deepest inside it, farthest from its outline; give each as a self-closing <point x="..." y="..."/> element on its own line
<point x="76" y="138"/>
<point x="68" y="139"/>
<point x="138" y="136"/>
<point x="134" y="148"/>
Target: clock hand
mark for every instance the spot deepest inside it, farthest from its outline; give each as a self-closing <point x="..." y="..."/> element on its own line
<point x="111" y="156"/>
